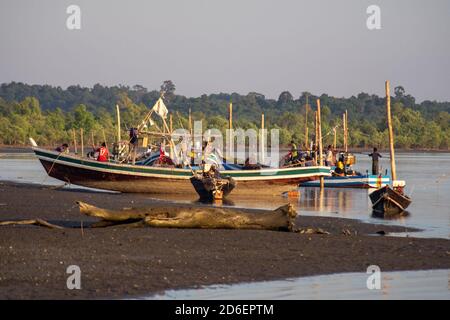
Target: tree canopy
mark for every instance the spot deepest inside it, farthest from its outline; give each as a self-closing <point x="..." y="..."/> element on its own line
<point x="50" y="113"/>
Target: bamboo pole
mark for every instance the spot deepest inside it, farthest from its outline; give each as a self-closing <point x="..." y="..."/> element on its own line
<point x="230" y="118"/>
<point x="319" y="129"/>
<point x="391" y="132"/>
<point x="92" y="138"/>
<point x="343" y="131"/>
<point x="334" y="141"/>
<point x="171" y="123"/>
<point x="75" y="141"/>
<point x="263" y="145"/>
<point x="230" y="127"/>
<point x="118" y="123"/>
<point x="315" y="137"/>
<point x="190" y="121"/>
<point x="104" y="137"/>
<point x="306" y="124"/>
<point x="82" y="142"/>
<point x="346" y="131"/>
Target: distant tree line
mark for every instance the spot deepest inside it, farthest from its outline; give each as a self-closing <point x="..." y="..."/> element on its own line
<point x="50" y="114"/>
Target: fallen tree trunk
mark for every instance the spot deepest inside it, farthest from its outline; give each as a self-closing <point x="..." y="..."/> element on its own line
<point x="36" y="222"/>
<point x="198" y="217"/>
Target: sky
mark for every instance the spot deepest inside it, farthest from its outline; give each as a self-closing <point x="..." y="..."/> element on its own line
<point x="211" y="46"/>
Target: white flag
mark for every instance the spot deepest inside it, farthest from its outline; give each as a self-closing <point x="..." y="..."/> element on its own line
<point x="160" y="108"/>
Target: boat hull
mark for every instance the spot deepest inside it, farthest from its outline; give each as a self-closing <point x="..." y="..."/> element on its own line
<point x="361" y="181"/>
<point x="157" y="180"/>
<point x="386" y="201"/>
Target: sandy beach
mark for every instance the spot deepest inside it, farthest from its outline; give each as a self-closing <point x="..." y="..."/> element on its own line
<point x="120" y="262"/>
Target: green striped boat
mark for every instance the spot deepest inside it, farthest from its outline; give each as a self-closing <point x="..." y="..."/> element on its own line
<point x="161" y="180"/>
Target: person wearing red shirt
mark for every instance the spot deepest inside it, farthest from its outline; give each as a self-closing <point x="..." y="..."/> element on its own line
<point x="103" y="153"/>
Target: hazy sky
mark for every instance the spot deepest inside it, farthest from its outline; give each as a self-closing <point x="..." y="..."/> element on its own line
<point x="208" y="46"/>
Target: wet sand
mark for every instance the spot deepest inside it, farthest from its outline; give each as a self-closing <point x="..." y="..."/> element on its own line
<point x="120" y="262"/>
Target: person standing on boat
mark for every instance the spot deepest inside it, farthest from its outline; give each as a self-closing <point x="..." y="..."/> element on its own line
<point x="133" y="144"/>
<point x="329" y="157"/>
<point x="375" y="157"/>
<point x="103" y="153"/>
<point x="294" y="151"/>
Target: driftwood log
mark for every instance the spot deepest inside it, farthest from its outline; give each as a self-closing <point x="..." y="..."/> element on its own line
<point x="36" y="222"/>
<point x="281" y="219"/>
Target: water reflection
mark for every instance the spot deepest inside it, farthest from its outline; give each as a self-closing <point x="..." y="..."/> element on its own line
<point x="429" y="284"/>
<point x="400" y="217"/>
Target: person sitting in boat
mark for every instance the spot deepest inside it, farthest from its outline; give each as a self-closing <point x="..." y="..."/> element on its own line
<point x="339" y="170"/>
<point x="64" y="148"/>
<point x="375" y="157"/>
<point x="329" y="161"/>
<point x="103" y="153"/>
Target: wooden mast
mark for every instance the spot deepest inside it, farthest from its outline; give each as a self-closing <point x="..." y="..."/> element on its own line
<point x="319" y="131"/>
<point x="306" y="122"/>
<point x="316" y="142"/>
<point x="118" y="123"/>
<point x="262" y="142"/>
<point x="391" y="132"/>
<point x="334" y="141"/>
<point x="343" y="131"/>
<point x="82" y="142"/>
<point x="346" y="131"/>
<point x="190" y="121"/>
<point x="230" y="116"/>
<point x="230" y="129"/>
<point x="75" y="141"/>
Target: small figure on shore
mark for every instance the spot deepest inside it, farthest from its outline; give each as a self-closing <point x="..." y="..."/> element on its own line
<point x="64" y="148"/>
<point x="375" y="156"/>
<point x="329" y="156"/>
<point x="103" y="153"/>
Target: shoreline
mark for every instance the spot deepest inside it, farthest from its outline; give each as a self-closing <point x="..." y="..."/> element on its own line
<point x="119" y="262"/>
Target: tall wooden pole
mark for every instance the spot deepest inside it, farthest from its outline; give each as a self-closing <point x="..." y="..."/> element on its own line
<point x="315" y="136"/>
<point x="306" y="125"/>
<point x="263" y="145"/>
<point x="391" y="132"/>
<point x="346" y="131"/>
<point x="190" y="121"/>
<point x="104" y="137"/>
<point x="75" y="141"/>
<point x="82" y="142"/>
<point x="334" y="141"/>
<point x="171" y="123"/>
<point x="230" y="116"/>
<point x="118" y="123"/>
<point x="343" y="131"/>
<point x="319" y="129"/>
<point x="92" y="138"/>
<point x="230" y="129"/>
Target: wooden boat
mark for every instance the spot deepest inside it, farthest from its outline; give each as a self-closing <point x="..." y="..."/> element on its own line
<point x="352" y="181"/>
<point x="387" y="201"/>
<point x="164" y="180"/>
<point x="212" y="189"/>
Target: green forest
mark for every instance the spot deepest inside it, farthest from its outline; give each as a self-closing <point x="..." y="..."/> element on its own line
<point x="49" y="114"/>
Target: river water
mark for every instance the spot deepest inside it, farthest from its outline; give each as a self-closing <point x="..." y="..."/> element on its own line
<point x="430" y="284"/>
<point x="427" y="176"/>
